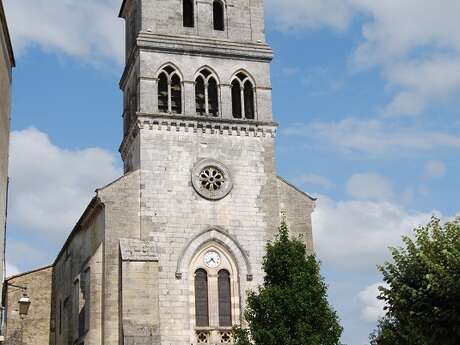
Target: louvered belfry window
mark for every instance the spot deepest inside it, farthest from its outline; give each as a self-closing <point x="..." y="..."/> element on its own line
<point x="225" y="299"/>
<point x="201" y="298"/>
<point x="169" y="91"/>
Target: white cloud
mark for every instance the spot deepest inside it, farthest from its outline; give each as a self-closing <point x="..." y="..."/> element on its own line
<point x="370" y="186"/>
<point x="435" y="169"/>
<point x="415" y="43"/>
<point x="11" y="270"/>
<point x="309" y="14"/>
<point x="84" y="29"/>
<point x="374" y="137"/>
<point x="50" y="186"/>
<point x="356" y="234"/>
<point x="372" y="307"/>
<point x="315" y="180"/>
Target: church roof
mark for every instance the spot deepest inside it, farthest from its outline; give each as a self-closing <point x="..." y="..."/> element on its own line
<point x="297" y="189"/>
<point x="6" y="33"/>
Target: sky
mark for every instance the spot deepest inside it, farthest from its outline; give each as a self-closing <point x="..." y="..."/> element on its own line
<point x="366" y="93"/>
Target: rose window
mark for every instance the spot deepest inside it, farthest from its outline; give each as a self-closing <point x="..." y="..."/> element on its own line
<point x="212" y="179"/>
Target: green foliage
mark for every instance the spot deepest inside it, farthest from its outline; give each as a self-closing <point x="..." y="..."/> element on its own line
<point x="291" y="308"/>
<point x="423" y="296"/>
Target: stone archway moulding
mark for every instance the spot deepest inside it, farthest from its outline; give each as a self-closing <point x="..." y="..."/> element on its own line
<point x="217" y="235"/>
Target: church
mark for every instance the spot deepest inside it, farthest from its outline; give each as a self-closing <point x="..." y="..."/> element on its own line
<point x="165" y="255"/>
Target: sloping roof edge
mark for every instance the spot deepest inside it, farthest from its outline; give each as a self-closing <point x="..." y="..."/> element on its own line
<point x="122" y="8"/>
<point x="297" y="189"/>
<point x="93" y="205"/>
<point x="7" y="35"/>
<point x="28" y="272"/>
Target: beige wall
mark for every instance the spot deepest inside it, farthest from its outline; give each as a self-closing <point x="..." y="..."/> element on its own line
<point x="78" y="285"/>
<point x="5" y="105"/>
<point x="37" y="322"/>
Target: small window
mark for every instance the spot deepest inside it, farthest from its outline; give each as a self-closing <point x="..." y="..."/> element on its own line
<point x="225" y="299"/>
<point x="249" y="100"/>
<point x="207" y="94"/>
<point x="163" y="93"/>
<point x="189" y="15"/>
<point x="218" y="10"/>
<point x="169" y="91"/>
<point x="236" y="99"/>
<point x="176" y="95"/>
<point x="200" y="96"/>
<point x="201" y="298"/>
<point x="213" y="102"/>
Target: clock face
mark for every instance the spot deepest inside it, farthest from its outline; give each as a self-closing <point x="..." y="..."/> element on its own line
<point x="212" y="259"/>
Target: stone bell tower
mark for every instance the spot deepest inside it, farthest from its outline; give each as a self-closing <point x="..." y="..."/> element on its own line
<point x="200" y="135"/>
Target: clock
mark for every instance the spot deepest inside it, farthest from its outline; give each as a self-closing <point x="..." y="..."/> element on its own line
<point x="212" y="259"/>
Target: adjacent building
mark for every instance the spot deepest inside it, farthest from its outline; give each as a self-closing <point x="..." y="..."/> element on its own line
<point x="6" y="65"/>
<point x="166" y="254"/>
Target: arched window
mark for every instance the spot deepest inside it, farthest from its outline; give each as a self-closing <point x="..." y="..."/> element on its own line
<point x="206" y="94"/>
<point x="169" y="91"/>
<point x="201" y="298"/>
<point x="218" y="10"/>
<point x="225" y="299"/>
<point x="243" y="97"/>
<point x="188" y="13"/>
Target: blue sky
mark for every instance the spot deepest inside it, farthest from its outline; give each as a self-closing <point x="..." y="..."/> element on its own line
<point x="366" y="94"/>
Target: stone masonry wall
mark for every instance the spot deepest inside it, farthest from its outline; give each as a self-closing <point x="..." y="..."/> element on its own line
<point x="37" y="322"/>
<point x="173" y="213"/>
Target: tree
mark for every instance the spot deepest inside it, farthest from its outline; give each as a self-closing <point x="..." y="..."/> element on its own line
<point x="423" y="294"/>
<point x="291" y="307"/>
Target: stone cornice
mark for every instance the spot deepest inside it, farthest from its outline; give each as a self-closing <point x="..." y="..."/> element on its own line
<point x="204" y="46"/>
<point x="205" y="125"/>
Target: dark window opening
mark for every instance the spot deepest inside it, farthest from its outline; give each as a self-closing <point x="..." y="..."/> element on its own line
<point x="200" y="96"/>
<point x="236" y="99"/>
<point x="176" y="95"/>
<point x="163" y="93"/>
<point x="218" y="9"/>
<point x="213" y="99"/>
<point x="189" y="16"/>
<point x="201" y="298"/>
<point x="249" y="100"/>
<point x="225" y="299"/>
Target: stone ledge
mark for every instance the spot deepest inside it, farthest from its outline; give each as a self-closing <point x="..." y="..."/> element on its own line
<point x="204" y="125"/>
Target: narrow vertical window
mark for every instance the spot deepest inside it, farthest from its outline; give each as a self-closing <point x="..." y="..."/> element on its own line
<point x="218" y="10"/>
<point x="176" y="95"/>
<point x="236" y="99"/>
<point x="60" y="317"/>
<point x="213" y="101"/>
<point x="163" y="93"/>
<point x="249" y="100"/>
<point x="201" y="298"/>
<point x="189" y="16"/>
<point x="225" y="299"/>
<point x="200" y="96"/>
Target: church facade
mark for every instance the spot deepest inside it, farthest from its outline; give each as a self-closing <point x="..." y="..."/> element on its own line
<point x="166" y="254"/>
